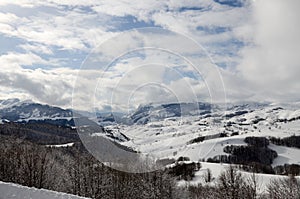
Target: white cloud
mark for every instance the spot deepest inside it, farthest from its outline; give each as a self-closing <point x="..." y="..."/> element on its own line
<point x="23" y="3"/>
<point x="271" y="65"/>
<point x="52" y="87"/>
<point x="67" y="29"/>
<point x="15" y="61"/>
<point x="268" y="66"/>
<point x="36" y="48"/>
<point x="153" y="75"/>
<point x="141" y="9"/>
<point x="8" y="18"/>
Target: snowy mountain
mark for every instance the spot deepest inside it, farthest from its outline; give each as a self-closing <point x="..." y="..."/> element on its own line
<point x="266" y="134"/>
<point x="194" y="130"/>
<point x="150" y="113"/>
<point x="202" y="131"/>
<point x="15" y="110"/>
<point x="155" y="112"/>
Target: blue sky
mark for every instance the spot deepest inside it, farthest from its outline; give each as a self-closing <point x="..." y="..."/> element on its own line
<point x="44" y="43"/>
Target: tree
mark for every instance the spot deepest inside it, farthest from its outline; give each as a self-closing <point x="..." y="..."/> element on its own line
<point x="208" y="176"/>
<point x="232" y="185"/>
<point x="253" y="186"/>
<point x="202" y="192"/>
<point x="34" y="165"/>
<point x="286" y="188"/>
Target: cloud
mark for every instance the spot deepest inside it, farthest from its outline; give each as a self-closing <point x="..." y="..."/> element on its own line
<point x="176" y="69"/>
<point x="48" y="86"/>
<point x="271" y="63"/>
<point x="15" y="61"/>
<point x="36" y="48"/>
<point x="52" y="87"/>
<point x="67" y="29"/>
<point x="256" y="43"/>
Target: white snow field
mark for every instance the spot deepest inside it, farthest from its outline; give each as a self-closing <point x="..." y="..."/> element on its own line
<point x="171" y="137"/>
<point x="15" y="191"/>
<point x="216" y="169"/>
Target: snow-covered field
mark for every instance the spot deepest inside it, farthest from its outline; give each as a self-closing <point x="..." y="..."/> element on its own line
<point x="204" y="136"/>
<point x="62" y="145"/>
<point x="172" y="137"/>
<point x="15" y="191"/>
<point x="163" y="134"/>
<point x="262" y="179"/>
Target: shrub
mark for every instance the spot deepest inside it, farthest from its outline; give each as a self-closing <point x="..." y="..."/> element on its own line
<point x="257" y="141"/>
<point x="248" y="154"/>
<point x="185" y="171"/>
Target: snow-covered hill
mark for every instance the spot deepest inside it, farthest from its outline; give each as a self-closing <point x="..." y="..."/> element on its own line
<point x="15" y="191"/>
<point x="216" y="169"/>
<point x="158" y="112"/>
<point x="15" y="110"/>
<point x="195" y="130"/>
<point x="165" y="132"/>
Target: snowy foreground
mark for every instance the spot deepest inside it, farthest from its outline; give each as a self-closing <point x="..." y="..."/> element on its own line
<point x="10" y="190"/>
<point x="216" y="169"/>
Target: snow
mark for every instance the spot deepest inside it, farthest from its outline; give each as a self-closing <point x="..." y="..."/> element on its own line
<point x="216" y="169"/>
<point x="15" y="191"/>
<point x="12" y="102"/>
<point x="286" y="155"/>
<point x="62" y="145"/>
<point x="42" y="118"/>
<point x="24" y="111"/>
<point x="170" y="137"/>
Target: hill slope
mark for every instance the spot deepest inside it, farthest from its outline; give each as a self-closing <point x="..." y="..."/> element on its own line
<point x="15" y="110"/>
<point x="15" y="191"/>
<point x="206" y="134"/>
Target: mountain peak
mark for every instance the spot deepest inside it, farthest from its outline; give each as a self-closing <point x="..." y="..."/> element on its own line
<point x="16" y="110"/>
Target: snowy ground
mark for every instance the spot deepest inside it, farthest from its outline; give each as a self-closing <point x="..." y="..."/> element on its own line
<point x="216" y="169"/>
<point x="171" y="137"/>
<point x="10" y="190"/>
<point x="61" y="145"/>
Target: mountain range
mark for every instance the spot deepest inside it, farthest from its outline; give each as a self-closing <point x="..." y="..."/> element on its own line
<point x="195" y="130"/>
<point x="15" y="110"/>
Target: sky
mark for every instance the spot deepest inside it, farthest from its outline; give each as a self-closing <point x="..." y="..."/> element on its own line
<point x="118" y="54"/>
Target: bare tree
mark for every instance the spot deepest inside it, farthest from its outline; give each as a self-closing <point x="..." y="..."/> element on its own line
<point x="34" y="165"/>
<point x="232" y="185"/>
<point x="287" y="188"/>
<point x="208" y="176"/>
<point x="202" y="192"/>
<point x="252" y="182"/>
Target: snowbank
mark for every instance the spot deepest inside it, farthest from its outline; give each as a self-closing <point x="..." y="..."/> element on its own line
<point x="15" y="191"/>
